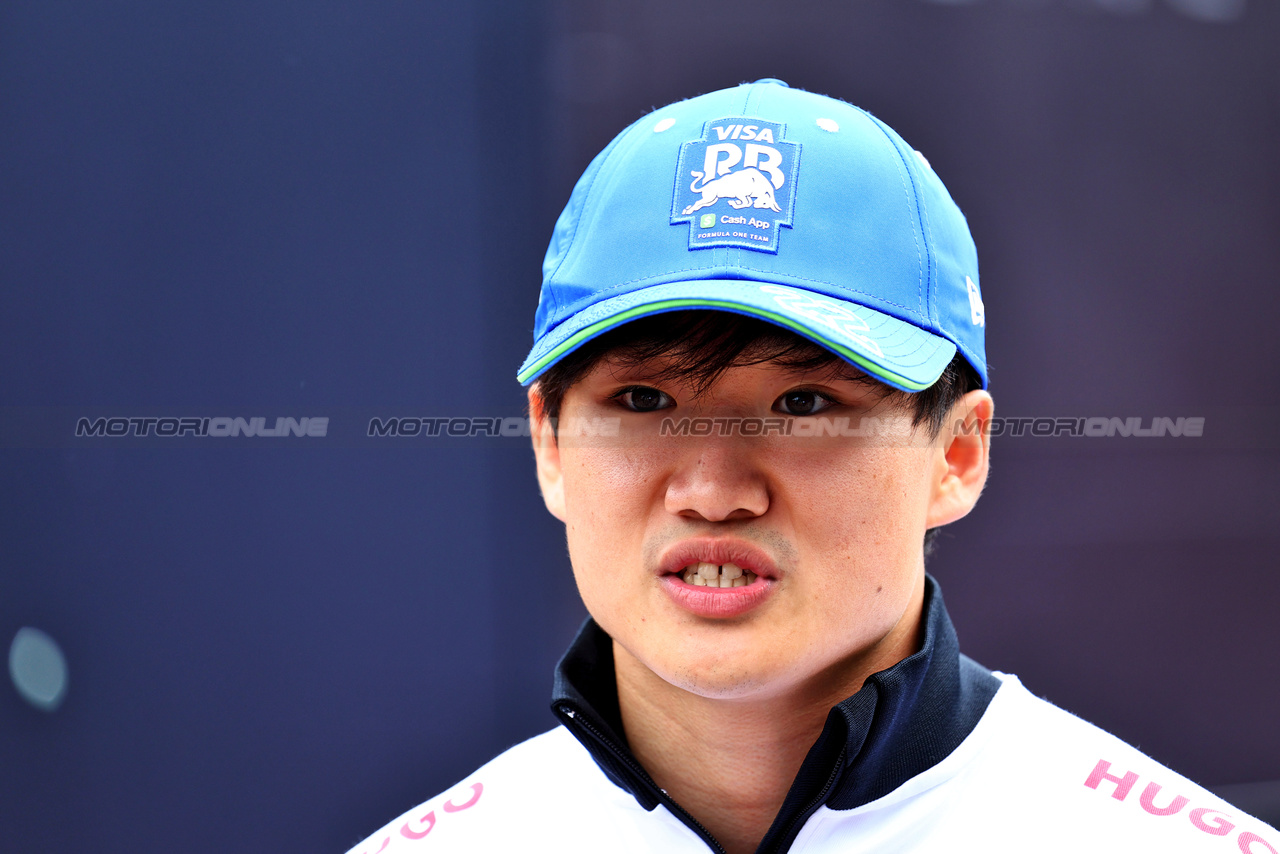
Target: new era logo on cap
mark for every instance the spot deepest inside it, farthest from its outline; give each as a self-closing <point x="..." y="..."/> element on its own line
<point x="977" y="311"/>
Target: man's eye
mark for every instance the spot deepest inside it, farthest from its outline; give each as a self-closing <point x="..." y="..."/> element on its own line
<point x="802" y="403"/>
<point x="644" y="399"/>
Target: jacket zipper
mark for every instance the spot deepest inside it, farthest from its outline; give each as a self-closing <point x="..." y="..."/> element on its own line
<point x="639" y="771"/>
<point x="798" y="820"/>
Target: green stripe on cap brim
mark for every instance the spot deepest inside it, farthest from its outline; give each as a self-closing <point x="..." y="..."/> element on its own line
<point x="931" y="369"/>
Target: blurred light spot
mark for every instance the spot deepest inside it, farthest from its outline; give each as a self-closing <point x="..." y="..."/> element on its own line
<point x="923" y="159"/>
<point x="665" y="124"/>
<point x="1213" y="11"/>
<point x="829" y="125"/>
<point x="38" y="669"/>
<point x="1210" y="10"/>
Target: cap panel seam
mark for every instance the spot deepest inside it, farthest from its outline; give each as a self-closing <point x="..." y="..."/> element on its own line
<point x="586" y="200"/>
<point x="930" y="295"/>
<point x="907" y="192"/>
<point x="921" y="307"/>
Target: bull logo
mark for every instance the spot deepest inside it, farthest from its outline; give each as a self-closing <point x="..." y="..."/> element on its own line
<point x="740" y="189"/>
<point x="745" y="164"/>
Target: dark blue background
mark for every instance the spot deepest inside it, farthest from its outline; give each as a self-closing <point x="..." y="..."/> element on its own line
<point x="287" y="209"/>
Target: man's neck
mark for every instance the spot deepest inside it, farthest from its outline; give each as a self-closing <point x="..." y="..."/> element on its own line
<point x="731" y="762"/>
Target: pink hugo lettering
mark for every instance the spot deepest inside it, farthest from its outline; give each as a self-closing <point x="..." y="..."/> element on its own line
<point x="429" y="820"/>
<point x="1123" y="784"/>
<point x="1217" y="825"/>
<point x="415" y="829"/>
<point x="1149" y="801"/>
<point x="476" y="789"/>
<point x="1204" y="819"/>
<point x="1252" y="843"/>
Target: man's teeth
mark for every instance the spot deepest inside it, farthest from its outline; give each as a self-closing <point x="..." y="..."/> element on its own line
<point x="724" y="575"/>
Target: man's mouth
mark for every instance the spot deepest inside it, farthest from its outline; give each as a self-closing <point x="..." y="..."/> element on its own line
<point x="705" y="574"/>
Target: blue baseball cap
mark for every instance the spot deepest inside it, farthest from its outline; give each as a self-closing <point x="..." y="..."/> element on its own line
<point x="776" y="203"/>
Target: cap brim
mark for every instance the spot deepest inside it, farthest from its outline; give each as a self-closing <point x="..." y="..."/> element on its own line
<point x="891" y="350"/>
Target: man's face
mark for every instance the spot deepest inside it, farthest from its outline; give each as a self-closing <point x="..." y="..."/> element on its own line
<point x="827" y="529"/>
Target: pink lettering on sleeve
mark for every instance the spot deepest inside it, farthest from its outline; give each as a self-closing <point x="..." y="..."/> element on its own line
<point x="1221" y="827"/>
<point x="409" y="833"/>
<point x="1149" y="801"/>
<point x="1247" y="839"/>
<point x="1123" y="784"/>
<point x="477" y="788"/>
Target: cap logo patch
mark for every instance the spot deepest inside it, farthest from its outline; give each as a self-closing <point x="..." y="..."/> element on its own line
<point x="735" y="186"/>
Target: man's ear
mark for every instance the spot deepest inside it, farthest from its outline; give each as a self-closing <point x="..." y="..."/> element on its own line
<point x="960" y="469"/>
<point x="547" y="453"/>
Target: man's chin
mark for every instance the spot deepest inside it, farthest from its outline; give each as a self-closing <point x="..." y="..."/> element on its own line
<point x="728" y="678"/>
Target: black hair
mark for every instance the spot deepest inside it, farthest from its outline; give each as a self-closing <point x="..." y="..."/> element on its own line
<point x="698" y="346"/>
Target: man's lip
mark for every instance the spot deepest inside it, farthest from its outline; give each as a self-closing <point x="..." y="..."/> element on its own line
<point x="717" y="550"/>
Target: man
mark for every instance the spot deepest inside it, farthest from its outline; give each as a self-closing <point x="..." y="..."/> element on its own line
<point x="757" y="386"/>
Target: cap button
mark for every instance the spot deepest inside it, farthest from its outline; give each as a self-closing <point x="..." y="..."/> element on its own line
<point x="774" y="80"/>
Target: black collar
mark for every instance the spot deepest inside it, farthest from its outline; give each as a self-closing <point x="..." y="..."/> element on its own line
<point x="903" y="721"/>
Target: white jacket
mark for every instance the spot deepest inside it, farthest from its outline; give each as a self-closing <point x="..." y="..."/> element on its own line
<point x="943" y="757"/>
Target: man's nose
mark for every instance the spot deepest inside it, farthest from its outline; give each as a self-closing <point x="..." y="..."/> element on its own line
<point x="717" y="481"/>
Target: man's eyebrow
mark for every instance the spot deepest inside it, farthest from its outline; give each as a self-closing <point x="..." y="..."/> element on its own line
<point x="623" y="369"/>
<point x="836" y="369"/>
